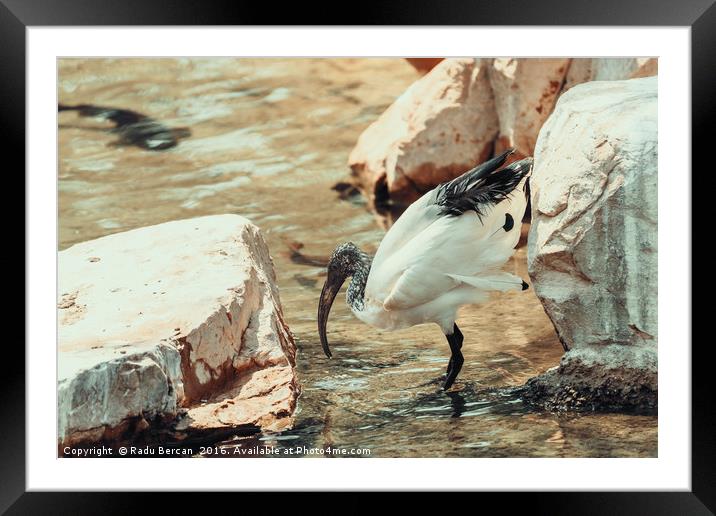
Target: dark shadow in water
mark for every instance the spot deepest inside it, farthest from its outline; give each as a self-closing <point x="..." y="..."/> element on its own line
<point x="305" y="281"/>
<point x="464" y="402"/>
<point x="387" y="213"/>
<point x="133" y="128"/>
<point x="345" y="190"/>
<point x="457" y="402"/>
<point x="297" y="256"/>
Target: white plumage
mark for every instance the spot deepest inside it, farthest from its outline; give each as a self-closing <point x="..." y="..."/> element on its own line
<point x="445" y="251"/>
<point x="429" y="264"/>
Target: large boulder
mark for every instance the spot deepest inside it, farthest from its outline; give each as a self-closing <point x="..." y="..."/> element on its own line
<point x="592" y="251"/>
<point x="443" y="125"/>
<point x="463" y="112"/>
<point x="609" y="69"/>
<point x="177" y="326"/>
<point x="525" y="92"/>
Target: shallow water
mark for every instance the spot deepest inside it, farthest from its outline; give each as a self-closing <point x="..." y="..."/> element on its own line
<point x="270" y="138"/>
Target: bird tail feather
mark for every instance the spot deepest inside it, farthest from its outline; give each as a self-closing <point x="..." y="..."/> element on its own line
<point x="501" y="281"/>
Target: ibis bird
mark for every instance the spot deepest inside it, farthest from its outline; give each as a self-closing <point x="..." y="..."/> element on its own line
<point x="445" y="251"/>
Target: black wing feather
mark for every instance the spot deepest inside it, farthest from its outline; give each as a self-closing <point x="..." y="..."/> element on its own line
<point x="481" y="187"/>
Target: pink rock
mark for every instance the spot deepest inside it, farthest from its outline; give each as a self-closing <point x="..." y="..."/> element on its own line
<point x="443" y="125"/>
<point x="525" y="92"/>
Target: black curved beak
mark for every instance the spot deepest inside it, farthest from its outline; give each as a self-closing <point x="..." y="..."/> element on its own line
<point x="328" y="294"/>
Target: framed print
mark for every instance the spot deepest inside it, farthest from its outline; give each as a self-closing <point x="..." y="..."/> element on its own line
<point x="426" y="245"/>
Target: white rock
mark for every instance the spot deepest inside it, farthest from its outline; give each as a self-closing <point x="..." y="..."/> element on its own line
<point x="443" y="125"/>
<point x="592" y="248"/>
<point x="525" y="92"/>
<point x="609" y="69"/>
<point x="161" y="317"/>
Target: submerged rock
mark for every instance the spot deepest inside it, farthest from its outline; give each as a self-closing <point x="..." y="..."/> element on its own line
<point x="443" y="125"/>
<point x="605" y="378"/>
<point x="592" y="251"/>
<point x="174" y="327"/>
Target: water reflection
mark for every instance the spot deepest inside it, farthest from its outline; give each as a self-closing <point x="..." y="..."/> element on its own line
<point x="132" y="128"/>
<point x="457" y="403"/>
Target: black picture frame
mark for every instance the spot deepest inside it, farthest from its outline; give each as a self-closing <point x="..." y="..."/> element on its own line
<point x="17" y="15"/>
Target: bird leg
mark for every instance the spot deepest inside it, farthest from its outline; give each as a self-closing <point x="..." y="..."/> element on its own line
<point x="456" y="360"/>
<point x="458" y="333"/>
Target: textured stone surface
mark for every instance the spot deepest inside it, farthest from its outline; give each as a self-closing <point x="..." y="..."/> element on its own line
<point x="609" y="69"/>
<point x="592" y="251"/>
<point x="463" y="112"/>
<point x="443" y="125"/>
<point x="155" y="320"/>
<point x="246" y="403"/>
<point x="607" y="378"/>
<point x="525" y="91"/>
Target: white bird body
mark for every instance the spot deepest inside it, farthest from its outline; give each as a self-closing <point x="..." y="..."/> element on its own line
<point x="428" y="264"/>
<point x="445" y="251"/>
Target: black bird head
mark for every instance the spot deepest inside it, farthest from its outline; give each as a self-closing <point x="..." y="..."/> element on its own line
<point x="344" y="262"/>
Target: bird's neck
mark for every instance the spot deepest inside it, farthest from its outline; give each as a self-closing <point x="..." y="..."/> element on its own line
<point x="356" y="289"/>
